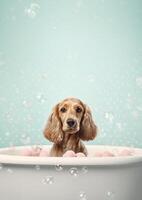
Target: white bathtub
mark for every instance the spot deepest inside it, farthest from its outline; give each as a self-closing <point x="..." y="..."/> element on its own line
<point x="52" y="178"/>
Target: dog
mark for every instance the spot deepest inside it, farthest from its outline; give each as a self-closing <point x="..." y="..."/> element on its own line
<point x="69" y="123"/>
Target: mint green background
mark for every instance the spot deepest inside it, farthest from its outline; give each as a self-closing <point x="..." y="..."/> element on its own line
<point x="89" y="49"/>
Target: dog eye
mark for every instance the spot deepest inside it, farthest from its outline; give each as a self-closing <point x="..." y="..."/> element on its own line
<point x="78" y="110"/>
<point x="63" y="110"/>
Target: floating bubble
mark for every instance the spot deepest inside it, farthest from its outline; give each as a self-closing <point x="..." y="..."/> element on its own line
<point x="135" y="114"/>
<point x="25" y="139"/>
<point x="44" y="76"/>
<point x="59" y="167"/>
<point x="41" y="98"/>
<point x="9" y="116"/>
<point x="54" y="27"/>
<point x="91" y="78"/>
<point x="37" y="167"/>
<point x="48" y="180"/>
<point x="84" y="170"/>
<point x="129" y="101"/>
<point x="82" y="195"/>
<point x="10" y="171"/>
<point x="139" y="82"/>
<point x="1" y="166"/>
<point x="7" y="134"/>
<point x="2" y="63"/>
<point x="109" y="116"/>
<point x="73" y="171"/>
<point x="32" y="11"/>
<point x="35" y="7"/>
<point x="139" y="108"/>
<point x="2" y="99"/>
<point x="110" y="195"/>
<point x="69" y="56"/>
<point x="119" y="126"/>
<point x="79" y="3"/>
<point x="29" y="118"/>
<point x="26" y="104"/>
<point x="13" y="18"/>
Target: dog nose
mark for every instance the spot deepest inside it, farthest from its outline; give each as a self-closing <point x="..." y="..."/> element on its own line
<point x="71" y="122"/>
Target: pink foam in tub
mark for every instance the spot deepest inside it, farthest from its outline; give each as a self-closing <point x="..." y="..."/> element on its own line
<point x="35" y="151"/>
<point x="43" y="152"/>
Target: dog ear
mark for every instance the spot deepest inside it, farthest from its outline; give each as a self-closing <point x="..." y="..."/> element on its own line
<point x="53" y="131"/>
<point x="88" y="129"/>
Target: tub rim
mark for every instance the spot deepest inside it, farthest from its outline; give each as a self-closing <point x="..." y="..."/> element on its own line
<point x="77" y="161"/>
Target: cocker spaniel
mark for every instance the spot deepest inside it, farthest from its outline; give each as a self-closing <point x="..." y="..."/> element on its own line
<point x="69" y="123"/>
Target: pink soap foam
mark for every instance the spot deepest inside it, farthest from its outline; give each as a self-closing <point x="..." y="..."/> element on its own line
<point x="104" y="154"/>
<point x="126" y="152"/>
<point x="34" y="151"/>
<point x="69" y="153"/>
<point x="26" y="152"/>
<point x="80" y="154"/>
<point x="43" y="152"/>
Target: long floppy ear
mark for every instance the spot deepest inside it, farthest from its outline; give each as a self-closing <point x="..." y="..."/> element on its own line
<point x="53" y="131"/>
<point x="88" y="129"/>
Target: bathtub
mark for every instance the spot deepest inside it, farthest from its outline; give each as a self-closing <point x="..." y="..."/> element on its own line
<point x="87" y="178"/>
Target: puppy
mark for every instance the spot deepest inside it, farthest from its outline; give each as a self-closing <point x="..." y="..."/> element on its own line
<point x="69" y="123"/>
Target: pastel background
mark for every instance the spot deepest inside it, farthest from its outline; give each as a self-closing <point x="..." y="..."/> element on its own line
<point x="89" y="49"/>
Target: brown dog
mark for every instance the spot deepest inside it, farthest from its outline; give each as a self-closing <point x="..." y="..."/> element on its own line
<point x="70" y="122"/>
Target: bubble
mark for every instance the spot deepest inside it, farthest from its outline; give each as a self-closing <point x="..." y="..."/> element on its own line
<point x="73" y="171"/>
<point x="35" y="6"/>
<point x="41" y="99"/>
<point x="109" y="116"/>
<point x="69" y="56"/>
<point x="1" y="166"/>
<point x="2" y="63"/>
<point x="44" y="76"/>
<point x="135" y="114"/>
<point x="59" y="167"/>
<point x="84" y="170"/>
<point x="7" y="134"/>
<point x="48" y="180"/>
<point x="82" y="195"/>
<point x="139" y="108"/>
<point x="37" y="167"/>
<point x="25" y="139"/>
<point x="91" y="78"/>
<point x="13" y="18"/>
<point x="119" y="126"/>
<point x="32" y="11"/>
<point x="2" y="99"/>
<point x="9" y="116"/>
<point x="79" y="3"/>
<point x="26" y="104"/>
<point x="29" y="118"/>
<point x="139" y="82"/>
<point x="54" y="27"/>
<point x="10" y="171"/>
<point x="110" y="195"/>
